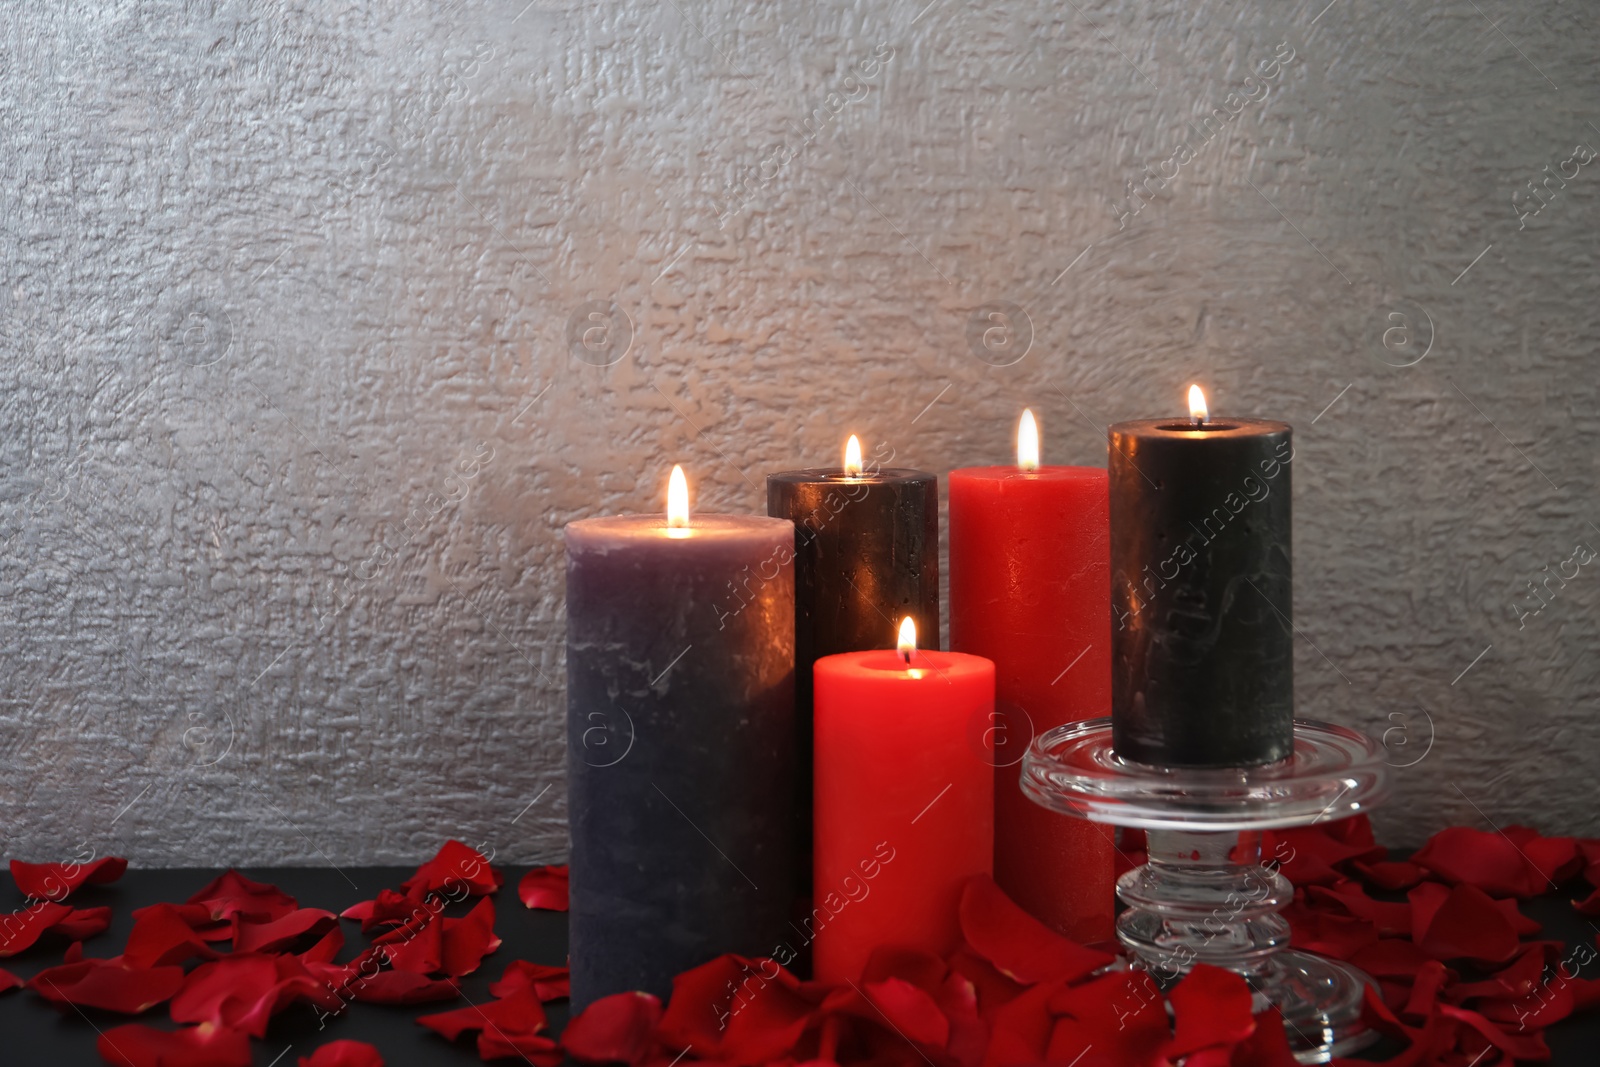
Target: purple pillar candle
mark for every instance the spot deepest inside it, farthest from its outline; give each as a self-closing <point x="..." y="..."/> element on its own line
<point x="680" y="744"/>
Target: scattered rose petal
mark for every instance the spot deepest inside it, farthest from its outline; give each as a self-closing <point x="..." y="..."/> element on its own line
<point x="910" y="1011"/>
<point x="82" y="923"/>
<point x="415" y="948"/>
<point x="544" y="887"/>
<point x="455" y="866"/>
<point x="547" y="983"/>
<point x="1460" y="923"/>
<point x="1020" y="947"/>
<point x="1210" y="1007"/>
<point x="112" y="985"/>
<point x="343" y="1054"/>
<point x="276" y="935"/>
<point x="9" y="981"/>
<point x="244" y="991"/>
<point x="137" y="1045"/>
<point x="162" y="935"/>
<point x="388" y="908"/>
<point x="1391" y="874"/>
<point x="56" y="881"/>
<point x="403" y="987"/>
<point x="231" y="894"/>
<point x="468" y="939"/>
<point x="614" y="1029"/>
<point x="20" y="930"/>
<point x="1496" y="863"/>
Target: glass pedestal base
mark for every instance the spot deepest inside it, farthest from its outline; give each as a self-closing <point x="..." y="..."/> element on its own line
<point x="1205" y="896"/>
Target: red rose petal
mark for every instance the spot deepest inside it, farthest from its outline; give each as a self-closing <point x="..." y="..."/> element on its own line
<point x="388" y="908"/>
<point x="1022" y="1028"/>
<point x="536" y="1049"/>
<point x="277" y="935"/>
<point x="767" y="1015"/>
<point x="1460" y="923"/>
<point x="1327" y="933"/>
<point x="993" y="988"/>
<point x="9" y="981"/>
<point x="519" y="1014"/>
<point x="1391" y="957"/>
<point x="698" y="1008"/>
<point x="1517" y="979"/>
<point x="547" y="983"/>
<point x="922" y="969"/>
<point x="969" y="1034"/>
<point x="20" y="930"/>
<point x="1120" y="1015"/>
<point x="243" y="992"/>
<point x="1267" y="1047"/>
<point x="1391" y="874"/>
<point x="468" y="939"/>
<point x="1493" y="862"/>
<point x="56" y="881"/>
<point x="82" y="923"/>
<point x="1020" y="947"/>
<point x="1519" y="1046"/>
<point x="403" y="987"/>
<point x="137" y="1045"/>
<point x="413" y="948"/>
<point x="1389" y="919"/>
<point x="162" y="935"/>
<point x="615" y="1029"/>
<point x="231" y="894"/>
<point x="910" y="1011"/>
<point x="1313" y="855"/>
<point x="1210" y="1007"/>
<point x="112" y="985"/>
<point x="544" y="887"/>
<point x="343" y="1054"/>
<point x="454" y="867"/>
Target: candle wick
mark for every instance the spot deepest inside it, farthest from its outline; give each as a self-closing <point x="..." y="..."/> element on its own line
<point x="907" y="657"/>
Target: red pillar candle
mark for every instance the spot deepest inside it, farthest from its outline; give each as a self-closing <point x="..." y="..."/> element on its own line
<point x="1030" y="589"/>
<point x="904" y="800"/>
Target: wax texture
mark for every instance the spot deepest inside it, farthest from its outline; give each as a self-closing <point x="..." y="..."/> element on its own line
<point x="680" y="746"/>
<point x="1030" y="589"/>
<point x="1201" y="592"/>
<point x="904" y="802"/>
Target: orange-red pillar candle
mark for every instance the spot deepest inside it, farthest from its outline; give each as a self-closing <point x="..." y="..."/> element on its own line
<point x="1030" y="589"/>
<point x="904" y="800"/>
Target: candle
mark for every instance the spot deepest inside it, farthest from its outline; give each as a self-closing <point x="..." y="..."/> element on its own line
<point x="1030" y="589"/>
<point x="904" y="800"/>
<point x="866" y="554"/>
<point x="680" y="725"/>
<point x="1202" y="647"/>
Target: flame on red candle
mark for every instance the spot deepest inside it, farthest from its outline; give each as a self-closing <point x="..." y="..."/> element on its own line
<point x="1028" y="442"/>
<point x="908" y="639"/>
<point x="1197" y="406"/>
<point x="852" y="456"/>
<point x="677" y="500"/>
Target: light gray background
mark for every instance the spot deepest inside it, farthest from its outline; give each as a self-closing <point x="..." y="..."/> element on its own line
<point x="372" y="223"/>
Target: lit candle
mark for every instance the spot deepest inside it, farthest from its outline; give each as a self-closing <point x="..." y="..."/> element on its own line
<point x="1030" y="589"/>
<point x="867" y="552"/>
<point x="904" y="800"/>
<point x="680" y="727"/>
<point x="1203" y="650"/>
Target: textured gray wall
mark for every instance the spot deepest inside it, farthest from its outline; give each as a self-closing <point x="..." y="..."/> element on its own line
<point x="292" y="413"/>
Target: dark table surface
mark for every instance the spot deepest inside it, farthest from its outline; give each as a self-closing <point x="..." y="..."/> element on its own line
<point x="35" y="1032"/>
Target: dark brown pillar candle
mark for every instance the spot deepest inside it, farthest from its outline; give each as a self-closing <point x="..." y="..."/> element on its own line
<point x="1202" y="670"/>
<point x="866" y="556"/>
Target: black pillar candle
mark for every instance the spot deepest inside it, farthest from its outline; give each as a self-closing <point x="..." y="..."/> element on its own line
<point x="680" y="757"/>
<point x="866" y="556"/>
<point x="1202" y="647"/>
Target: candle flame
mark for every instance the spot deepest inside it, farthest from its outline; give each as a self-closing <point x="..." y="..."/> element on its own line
<point x="908" y="639"/>
<point x="1028" y="442"/>
<point x="677" y="500"/>
<point x="1197" y="406"/>
<point x="852" y="456"/>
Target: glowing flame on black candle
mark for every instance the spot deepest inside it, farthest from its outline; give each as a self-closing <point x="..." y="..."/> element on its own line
<point x="1028" y="442"/>
<point x="677" y="500"/>
<point x="908" y="639"/>
<point x="1197" y="406"/>
<point x="852" y="456"/>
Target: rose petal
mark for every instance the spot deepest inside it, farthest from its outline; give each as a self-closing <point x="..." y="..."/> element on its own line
<point x="547" y="983"/>
<point x="1020" y="947"/>
<point x="1392" y="957"/>
<point x="455" y="865"/>
<point x="137" y="1045"/>
<point x="1494" y="862"/>
<point x="83" y="923"/>
<point x="9" y="981"/>
<point x="469" y="939"/>
<point x="161" y="935"/>
<point x="1022" y="1028"/>
<point x="1460" y="923"/>
<point x="536" y="1049"/>
<point x="993" y="988"/>
<point x="700" y="1003"/>
<point x="231" y="894"/>
<point x="517" y="1014"/>
<point x="1326" y="932"/>
<point x="910" y="1011"/>
<point x="415" y="948"/>
<point x="56" y="881"/>
<point x="20" y="930"/>
<point x="388" y="908"/>
<point x="1390" y="874"/>
<point x="1519" y="1046"/>
<point x="112" y="985"/>
<point x="969" y="1034"/>
<point x="244" y="991"/>
<point x="343" y="1054"/>
<point x="544" y="887"/>
<point x="1120" y="1015"/>
<point x="615" y="1029"/>
<point x="1313" y="855"/>
<point x="1389" y="919"/>
<point x="403" y="987"/>
<point x="1210" y="1007"/>
<point x="1268" y="1046"/>
<point x="277" y="935"/>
